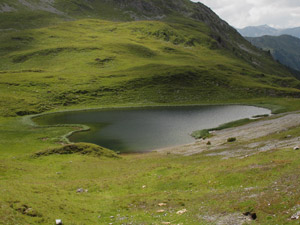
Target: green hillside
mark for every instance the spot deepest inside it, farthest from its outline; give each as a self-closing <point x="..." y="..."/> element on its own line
<point x="93" y="62"/>
<point x="284" y="48"/>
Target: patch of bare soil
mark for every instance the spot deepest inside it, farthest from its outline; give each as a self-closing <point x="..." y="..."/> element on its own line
<point x="245" y="135"/>
<point x="227" y="219"/>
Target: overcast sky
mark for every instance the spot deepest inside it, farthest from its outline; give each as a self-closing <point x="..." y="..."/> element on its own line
<point x="242" y="13"/>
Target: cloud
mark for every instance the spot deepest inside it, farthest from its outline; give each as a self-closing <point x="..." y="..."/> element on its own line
<point x="241" y="13"/>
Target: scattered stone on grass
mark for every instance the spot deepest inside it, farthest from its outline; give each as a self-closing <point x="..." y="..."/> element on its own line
<point x="166" y="223"/>
<point x="162" y="204"/>
<point x="180" y="212"/>
<point x="296" y="216"/>
<point x="58" y="222"/>
<point x="226" y="219"/>
<point x="160" y="211"/>
<point x="81" y="190"/>
<point x="296" y="148"/>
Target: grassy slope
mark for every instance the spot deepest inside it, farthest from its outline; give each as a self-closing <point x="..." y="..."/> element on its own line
<point x="86" y="63"/>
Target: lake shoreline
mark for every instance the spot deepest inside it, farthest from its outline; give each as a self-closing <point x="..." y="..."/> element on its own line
<point x="252" y="138"/>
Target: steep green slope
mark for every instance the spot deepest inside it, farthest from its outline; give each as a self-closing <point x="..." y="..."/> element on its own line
<point x="96" y="63"/>
<point x="285" y="48"/>
<point x="21" y="14"/>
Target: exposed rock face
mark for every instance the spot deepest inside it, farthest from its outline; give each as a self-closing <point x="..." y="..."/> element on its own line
<point x="6" y="8"/>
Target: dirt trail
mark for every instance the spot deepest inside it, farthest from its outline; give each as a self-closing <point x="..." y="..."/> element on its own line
<point x="245" y="135"/>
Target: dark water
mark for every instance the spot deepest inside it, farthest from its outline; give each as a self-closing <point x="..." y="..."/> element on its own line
<point x="145" y="129"/>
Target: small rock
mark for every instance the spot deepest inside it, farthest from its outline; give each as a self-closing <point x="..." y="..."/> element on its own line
<point x="58" y="222"/>
<point x="162" y="204"/>
<point x="144" y="186"/>
<point x="296" y="216"/>
<point x="180" y="212"/>
<point x="112" y="217"/>
<point x="86" y="190"/>
<point x="166" y="223"/>
<point x="160" y="211"/>
<point x="296" y="148"/>
<point x="80" y="190"/>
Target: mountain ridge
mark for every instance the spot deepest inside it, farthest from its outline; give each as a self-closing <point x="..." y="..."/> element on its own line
<point x="259" y="31"/>
<point x="284" y="48"/>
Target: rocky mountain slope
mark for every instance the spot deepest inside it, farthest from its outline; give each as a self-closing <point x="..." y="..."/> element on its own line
<point x="284" y="48"/>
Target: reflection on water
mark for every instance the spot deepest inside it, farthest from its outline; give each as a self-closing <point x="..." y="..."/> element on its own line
<point x="145" y="129"/>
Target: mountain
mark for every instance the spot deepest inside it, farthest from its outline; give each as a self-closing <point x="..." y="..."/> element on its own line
<point x="284" y="48"/>
<point x="57" y="54"/>
<point x="258" y="31"/>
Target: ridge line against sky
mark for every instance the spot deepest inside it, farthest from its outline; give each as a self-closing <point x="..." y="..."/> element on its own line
<point x="242" y="13"/>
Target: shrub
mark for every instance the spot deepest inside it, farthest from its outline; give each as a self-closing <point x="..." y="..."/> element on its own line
<point x="201" y="134"/>
<point x="232" y="139"/>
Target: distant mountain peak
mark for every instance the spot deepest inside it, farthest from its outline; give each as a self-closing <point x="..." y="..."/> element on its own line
<point x="262" y="30"/>
<point x="266" y="26"/>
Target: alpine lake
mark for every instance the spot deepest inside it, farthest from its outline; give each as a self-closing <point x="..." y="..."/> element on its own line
<point x="136" y="130"/>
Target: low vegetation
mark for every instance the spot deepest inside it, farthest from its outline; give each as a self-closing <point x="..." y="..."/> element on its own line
<point x="232" y="139"/>
<point x="206" y="133"/>
<point x="79" y="148"/>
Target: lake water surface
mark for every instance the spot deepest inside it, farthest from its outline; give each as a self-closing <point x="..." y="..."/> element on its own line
<point x="146" y="129"/>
